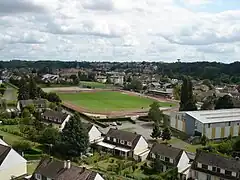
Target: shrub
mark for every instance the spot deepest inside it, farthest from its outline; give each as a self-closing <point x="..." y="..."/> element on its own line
<point x="10" y="121"/>
<point x="21" y="146"/>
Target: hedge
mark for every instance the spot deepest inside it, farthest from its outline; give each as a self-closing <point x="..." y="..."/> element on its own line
<point x="117" y="119"/>
<point x="10" y="121"/>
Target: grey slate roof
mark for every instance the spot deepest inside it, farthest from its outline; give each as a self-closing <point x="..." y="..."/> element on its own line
<point x="167" y="151"/>
<point x="37" y="102"/>
<point x="4" y="150"/>
<point x="217" y="161"/>
<point x="55" y="115"/>
<point x="54" y="169"/>
<point x="123" y="135"/>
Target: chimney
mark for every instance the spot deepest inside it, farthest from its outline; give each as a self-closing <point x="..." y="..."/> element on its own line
<point x="68" y="164"/>
<point x="64" y="164"/>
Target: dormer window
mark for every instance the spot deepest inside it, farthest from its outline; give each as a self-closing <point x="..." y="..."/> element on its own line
<point x="38" y="176"/>
<point x="108" y="138"/>
<point x="129" y="143"/>
<point x="162" y="158"/>
<point x="114" y="140"/>
<point x="122" y="142"/>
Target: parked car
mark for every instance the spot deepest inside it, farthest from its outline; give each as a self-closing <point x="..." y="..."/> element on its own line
<point x="113" y="124"/>
<point x="119" y="123"/>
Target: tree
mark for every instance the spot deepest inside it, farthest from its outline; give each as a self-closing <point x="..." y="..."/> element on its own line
<point x="26" y="113"/>
<point x="156" y="133"/>
<point x="53" y="97"/>
<point x="74" y="137"/>
<point x="31" y="108"/>
<point x="33" y="91"/>
<point x="21" y="146"/>
<point x="136" y="85"/>
<point x="157" y="165"/>
<point x="209" y="103"/>
<point x="166" y="134"/>
<point x="224" y="102"/>
<point x="208" y="83"/>
<point x="155" y="114"/>
<point x="75" y="79"/>
<point x="176" y="92"/>
<point x="236" y="145"/>
<point x="23" y="91"/>
<point x="2" y="89"/>
<point x="108" y="80"/>
<point x="204" y="140"/>
<point x="238" y="88"/>
<point x="52" y="106"/>
<point x="50" y="136"/>
<point x="187" y="102"/>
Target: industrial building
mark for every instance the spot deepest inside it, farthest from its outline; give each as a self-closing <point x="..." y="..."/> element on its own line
<point x="214" y="124"/>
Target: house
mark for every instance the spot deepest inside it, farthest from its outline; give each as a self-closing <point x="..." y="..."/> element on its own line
<point x="167" y="93"/>
<point x="171" y="157"/>
<point x="56" y="117"/>
<point x="11" y="163"/>
<point x="212" y="166"/>
<point x="126" y="144"/>
<point x="52" y="169"/>
<point x="93" y="133"/>
<point x="101" y="79"/>
<point x="214" y="124"/>
<point x="38" y="103"/>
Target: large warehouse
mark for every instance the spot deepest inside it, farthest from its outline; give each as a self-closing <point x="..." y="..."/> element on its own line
<point x="215" y="124"/>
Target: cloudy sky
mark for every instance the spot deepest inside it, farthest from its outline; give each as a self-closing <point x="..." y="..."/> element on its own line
<point x="120" y="30"/>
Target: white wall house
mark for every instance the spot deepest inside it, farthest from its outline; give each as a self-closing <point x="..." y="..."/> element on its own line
<point x="171" y="157"/>
<point x="64" y="122"/>
<point x="94" y="134"/>
<point x="124" y="143"/>
<point x="12" y="164"/>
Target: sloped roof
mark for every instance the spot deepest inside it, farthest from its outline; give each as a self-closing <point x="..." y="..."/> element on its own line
<point x="167" y="151"/>
<point x="217" y="161"/>
<point x="4" y="150"/>
<point x="55" y="114"/>
<point x="123" y="135"/>
<point x="54" y="169"/>
<point x="25" y="103"/>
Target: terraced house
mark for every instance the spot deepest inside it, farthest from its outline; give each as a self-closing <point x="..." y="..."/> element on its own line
<point x="51" y="169"/>
<point x="208" y="166"/>
<point x="171" y="157"/>
<point x="126" y="144"/>
<point x="214" y="124"/>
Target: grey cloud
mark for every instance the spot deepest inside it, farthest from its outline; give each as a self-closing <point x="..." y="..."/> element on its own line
<point x="104" y="5"/>
<point x="19" y="6"/>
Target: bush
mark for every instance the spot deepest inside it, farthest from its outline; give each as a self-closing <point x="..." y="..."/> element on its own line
<point x="21" y="146"/>
<point x="10" y="121"/>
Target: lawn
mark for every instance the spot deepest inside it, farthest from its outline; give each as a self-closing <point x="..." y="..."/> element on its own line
<point x="31" y="167"/>
<point x="108" y="101"/>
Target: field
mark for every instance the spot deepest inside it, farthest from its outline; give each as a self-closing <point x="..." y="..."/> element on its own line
<point x="108" y="101"/>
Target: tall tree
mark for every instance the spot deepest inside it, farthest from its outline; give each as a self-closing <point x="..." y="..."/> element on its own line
<point x="33" y="90"/>
<point x="53" y="97"/>
<point x="209" y="103"/>
<point x="50" y="136"/>
<point x="187" y="102"/>
<point x="156" y="133"/>
<point x="155" y="114"/>
<point x="177" y="92"/>
<point x="224" y="102"/>
<point x="166" y="134"/>
<point x="74" y="137"/>
<point x="23" y="91"/>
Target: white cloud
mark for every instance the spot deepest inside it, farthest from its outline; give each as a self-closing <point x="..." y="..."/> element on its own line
<point x="117" y="30"/>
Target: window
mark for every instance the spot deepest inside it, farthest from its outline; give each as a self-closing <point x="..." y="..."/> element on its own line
<point x="204" y="166"/>
<point x="199" y="165"/>
<point x="214" y="169"/>
<point x="208" y="125"/>
<point x="129" y="144"/>
<point x="167" y="159"/>
<point x="122" y="142"/>
<point x="208" y="177"/>
<point x="228" y="173"/>
<point x="38" y="176"/>
<point x="114" y="140"/>
<point x="196" y="174"/>
<point x="108" y="138"/>
<point x="162" y="158"/>
<point x="229" y="123"/>
<point x="171" y="160"/>
<point x="234" y="174"/>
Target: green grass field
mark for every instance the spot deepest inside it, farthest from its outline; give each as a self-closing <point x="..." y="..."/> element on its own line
<point x="108" y="101"/>
<point x="95" y="84"/>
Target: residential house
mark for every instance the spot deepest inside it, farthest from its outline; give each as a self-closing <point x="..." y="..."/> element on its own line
<point x="12" y="164"/>
<point x="171" y="157"/>
<point x="52" y="169"/>
<point x="101" y="79"/>
<point x="56" y="117"/>
<point x="93" y="133"/>
<point x="210" y="166"/>
<point x="38" y="103"/>
<point x="124" y="143"/>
